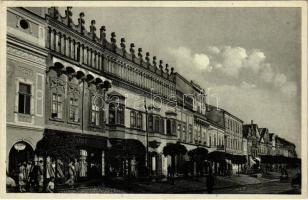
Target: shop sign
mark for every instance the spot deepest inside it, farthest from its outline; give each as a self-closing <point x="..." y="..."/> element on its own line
<point x="20" y="146"/>
<point x="83" y="152"/>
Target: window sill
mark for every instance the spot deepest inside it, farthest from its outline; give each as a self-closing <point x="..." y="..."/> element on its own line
<point x="24" y="114"/>
<point x="116" y="125"/>
<point x="95" y="126"/>
<point x="56" y="119"/>
<point x="137" y="129"/>
<point x="74" y="123"/>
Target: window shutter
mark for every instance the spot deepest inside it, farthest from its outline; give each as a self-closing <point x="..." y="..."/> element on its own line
<point x="39" y="94"/>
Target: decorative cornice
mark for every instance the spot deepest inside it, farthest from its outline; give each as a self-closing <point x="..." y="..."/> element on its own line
<point x="26" y="55"/>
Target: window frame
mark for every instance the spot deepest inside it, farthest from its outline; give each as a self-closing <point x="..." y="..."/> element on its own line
<point x="58" y="102"/>
<point x="118" y="110"/>
<point x="75" y="108"/>
<point x="26" y="99"/>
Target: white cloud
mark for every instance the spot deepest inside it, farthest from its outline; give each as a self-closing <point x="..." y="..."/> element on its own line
<point x="185" y="59"/>
<point x="255" y="60"/>
<point x="229" y="62"/>
<point x="202" y="61"/>
<point x="232" y="60"/>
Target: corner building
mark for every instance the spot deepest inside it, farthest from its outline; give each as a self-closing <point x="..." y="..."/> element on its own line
<point x="26" y="72"/>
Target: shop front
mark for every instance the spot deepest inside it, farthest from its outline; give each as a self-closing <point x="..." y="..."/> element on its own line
<point x="86" y="153"/>
<point x="125" y="158"/>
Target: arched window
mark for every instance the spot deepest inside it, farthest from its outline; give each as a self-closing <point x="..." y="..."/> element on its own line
<point x="116" y="108"/>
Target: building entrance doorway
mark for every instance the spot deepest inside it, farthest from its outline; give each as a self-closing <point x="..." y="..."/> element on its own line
<point x="19" y="153"/>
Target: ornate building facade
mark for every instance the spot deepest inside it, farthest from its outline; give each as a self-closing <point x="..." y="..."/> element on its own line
<point x="119" y="106"/>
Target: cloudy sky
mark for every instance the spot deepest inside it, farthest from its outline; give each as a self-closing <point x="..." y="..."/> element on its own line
<point x="248" y="57"/>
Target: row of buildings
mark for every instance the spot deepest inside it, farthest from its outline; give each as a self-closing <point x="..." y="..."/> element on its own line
<point x="121" y="106"/>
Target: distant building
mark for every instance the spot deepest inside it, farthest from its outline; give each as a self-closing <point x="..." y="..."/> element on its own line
<point x="285" y="148"/>
<point x="251" y="133"/>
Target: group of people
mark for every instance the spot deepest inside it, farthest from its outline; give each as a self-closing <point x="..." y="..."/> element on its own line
<point x="30" y="176"/>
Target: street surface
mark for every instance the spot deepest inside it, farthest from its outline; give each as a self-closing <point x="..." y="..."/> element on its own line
<point x="224" y="185"/>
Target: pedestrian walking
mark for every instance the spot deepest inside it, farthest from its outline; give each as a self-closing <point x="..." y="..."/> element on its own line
<point x="21" y="178"/>
<point x="77" y="169"/>
<point x="40" y="176"/>
<point x="60" y="174"/>
<point x="210" y="182"/>
<point x="71" y="173"/>
<point x="28" y="178"/>
<point x="168" y="173"/>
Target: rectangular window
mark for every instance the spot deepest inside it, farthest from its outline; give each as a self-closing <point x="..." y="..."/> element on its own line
<point x="139" y="120"/>
<point x="132" y="119"/>
<point x="74" y="110"/>
<point x="190" y="127"/>
<point x="179" y="130"/>
<point x="150" y="123"/>
<point x="162" y="126"/>
<point x="156" y="124"/>
<point x="169" y="124"/>
<point x="95" y="114"/>
<point x="112" y="114"/>
<point x="56" y="106"/>
<point x="116" y="114"/>
<point x="120" y="115"/>
<point x="173" y="127"/>
<point x="184" y="131"/>
<point x="24" y="98"/>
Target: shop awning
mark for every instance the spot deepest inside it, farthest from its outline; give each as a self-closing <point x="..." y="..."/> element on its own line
<point x="66" y="145"/>
<point x="219" y="156"/>
<point x="129" y="147"/>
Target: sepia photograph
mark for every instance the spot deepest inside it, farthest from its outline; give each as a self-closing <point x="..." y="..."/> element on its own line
<point x="155" y="99"/>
